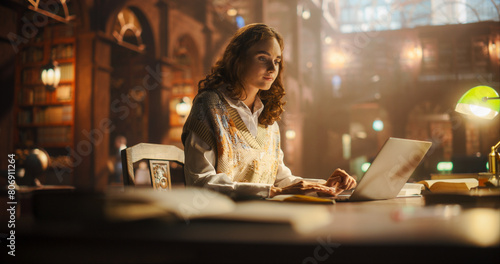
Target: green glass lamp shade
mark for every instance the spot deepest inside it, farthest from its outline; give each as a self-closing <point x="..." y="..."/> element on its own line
<point x="480" y="101"/>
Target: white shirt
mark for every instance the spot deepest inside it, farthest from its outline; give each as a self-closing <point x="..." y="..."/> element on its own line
<point x="200" y="160"/>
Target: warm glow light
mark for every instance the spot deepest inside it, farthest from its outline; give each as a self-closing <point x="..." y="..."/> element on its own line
<point x="474" y="102"/>
<point x="306" y="14"/>
<point x="51" y="75"/>
<point x="494" y="49"/>
<point x="57" y="76"/>
<point x="290" y="134"/>
<point x="480" y="226"/>
<point x="414" y="53"/>
<point x="361" y="134"/>
<point x="479" y="111"/>
<point x="183" y="107"/>
<point x="336" y="59"/>
<point x="232" y="12"/>
<point x="411" y="54"/>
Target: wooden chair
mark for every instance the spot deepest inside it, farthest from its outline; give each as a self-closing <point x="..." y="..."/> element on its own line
<point x="162" y="169"/>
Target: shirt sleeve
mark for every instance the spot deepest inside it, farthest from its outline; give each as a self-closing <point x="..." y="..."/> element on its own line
<point x="199" y="170"/>
<point x="284" y="176"/>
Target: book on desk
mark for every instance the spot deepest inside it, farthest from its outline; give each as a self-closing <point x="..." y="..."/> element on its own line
<point x="466" y="192"/>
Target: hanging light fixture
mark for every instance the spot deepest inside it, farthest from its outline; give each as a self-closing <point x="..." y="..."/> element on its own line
<point x="51" y="75"/>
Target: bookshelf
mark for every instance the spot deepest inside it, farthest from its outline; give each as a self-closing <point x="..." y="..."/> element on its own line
<point x="182" y="86"/>
<point x="44" y="118"/>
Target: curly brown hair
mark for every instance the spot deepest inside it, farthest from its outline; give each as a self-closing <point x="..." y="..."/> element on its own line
<point x="229" y="70"/>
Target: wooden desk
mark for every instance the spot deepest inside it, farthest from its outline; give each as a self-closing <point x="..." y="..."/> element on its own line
<point x="391" y="231"/>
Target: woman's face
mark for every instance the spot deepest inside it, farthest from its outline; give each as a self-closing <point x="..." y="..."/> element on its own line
<point x="261" y="65"/>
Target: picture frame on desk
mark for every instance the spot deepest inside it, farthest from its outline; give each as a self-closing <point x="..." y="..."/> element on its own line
<point x="160" y="175"/>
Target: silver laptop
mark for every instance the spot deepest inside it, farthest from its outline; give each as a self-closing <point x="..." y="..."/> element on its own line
<point x="391" y="169"/>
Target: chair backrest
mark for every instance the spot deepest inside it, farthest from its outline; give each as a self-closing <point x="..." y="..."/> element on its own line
<point x="159" y="158"/>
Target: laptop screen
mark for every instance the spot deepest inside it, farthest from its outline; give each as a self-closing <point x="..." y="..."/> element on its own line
<point x="391" y="169"/>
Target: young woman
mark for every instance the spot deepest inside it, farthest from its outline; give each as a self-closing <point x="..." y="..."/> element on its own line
<point x="231" y="137"/>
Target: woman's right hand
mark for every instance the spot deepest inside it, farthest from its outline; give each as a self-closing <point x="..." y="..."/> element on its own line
<point x="303" y="187"/>
<point x="341" y="180"/>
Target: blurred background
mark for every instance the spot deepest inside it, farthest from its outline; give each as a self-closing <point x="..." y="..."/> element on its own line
<point x="118" y="73"/>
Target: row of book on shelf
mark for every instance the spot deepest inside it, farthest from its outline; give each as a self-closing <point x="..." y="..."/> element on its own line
<point x="32" y="54"/>
<point x="39" y="94"/>
<point x="35" y="53"/>
<point x="62" y="51"/>
<point x="52" y="114"/>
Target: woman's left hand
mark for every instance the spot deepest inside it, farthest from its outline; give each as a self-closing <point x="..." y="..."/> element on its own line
<point x="341" y="180"/>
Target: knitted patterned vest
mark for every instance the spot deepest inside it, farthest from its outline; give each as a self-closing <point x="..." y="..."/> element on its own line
<point x="239" y="155"/>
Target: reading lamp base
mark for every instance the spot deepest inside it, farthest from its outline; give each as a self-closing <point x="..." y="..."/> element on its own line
<point x="493" y="161"/>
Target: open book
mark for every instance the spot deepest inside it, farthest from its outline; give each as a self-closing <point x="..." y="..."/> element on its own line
<point x="196" y="203"/>
<point x="445" y="185"/>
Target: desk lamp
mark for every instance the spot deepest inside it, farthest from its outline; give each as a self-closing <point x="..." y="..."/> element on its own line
<point x="483" y="102"/>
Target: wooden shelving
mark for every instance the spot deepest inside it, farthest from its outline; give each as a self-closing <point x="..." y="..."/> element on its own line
<point x="45" y="118"/>
<point x="182" y="87"/>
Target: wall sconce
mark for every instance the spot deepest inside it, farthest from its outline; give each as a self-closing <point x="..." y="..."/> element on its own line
<point x="483" y="102"/>
<point x="411" y="54"/>
<point x="183" y="107"/>
<point x="494" y="49"/>
<point x="414" y="53"/>
<point x="51" y="75"/>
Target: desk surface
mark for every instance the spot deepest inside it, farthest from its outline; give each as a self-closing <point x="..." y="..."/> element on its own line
<point x="396" y="230"/>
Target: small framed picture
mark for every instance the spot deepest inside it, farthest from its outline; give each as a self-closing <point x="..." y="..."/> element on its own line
<point x="160" y="174"/>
